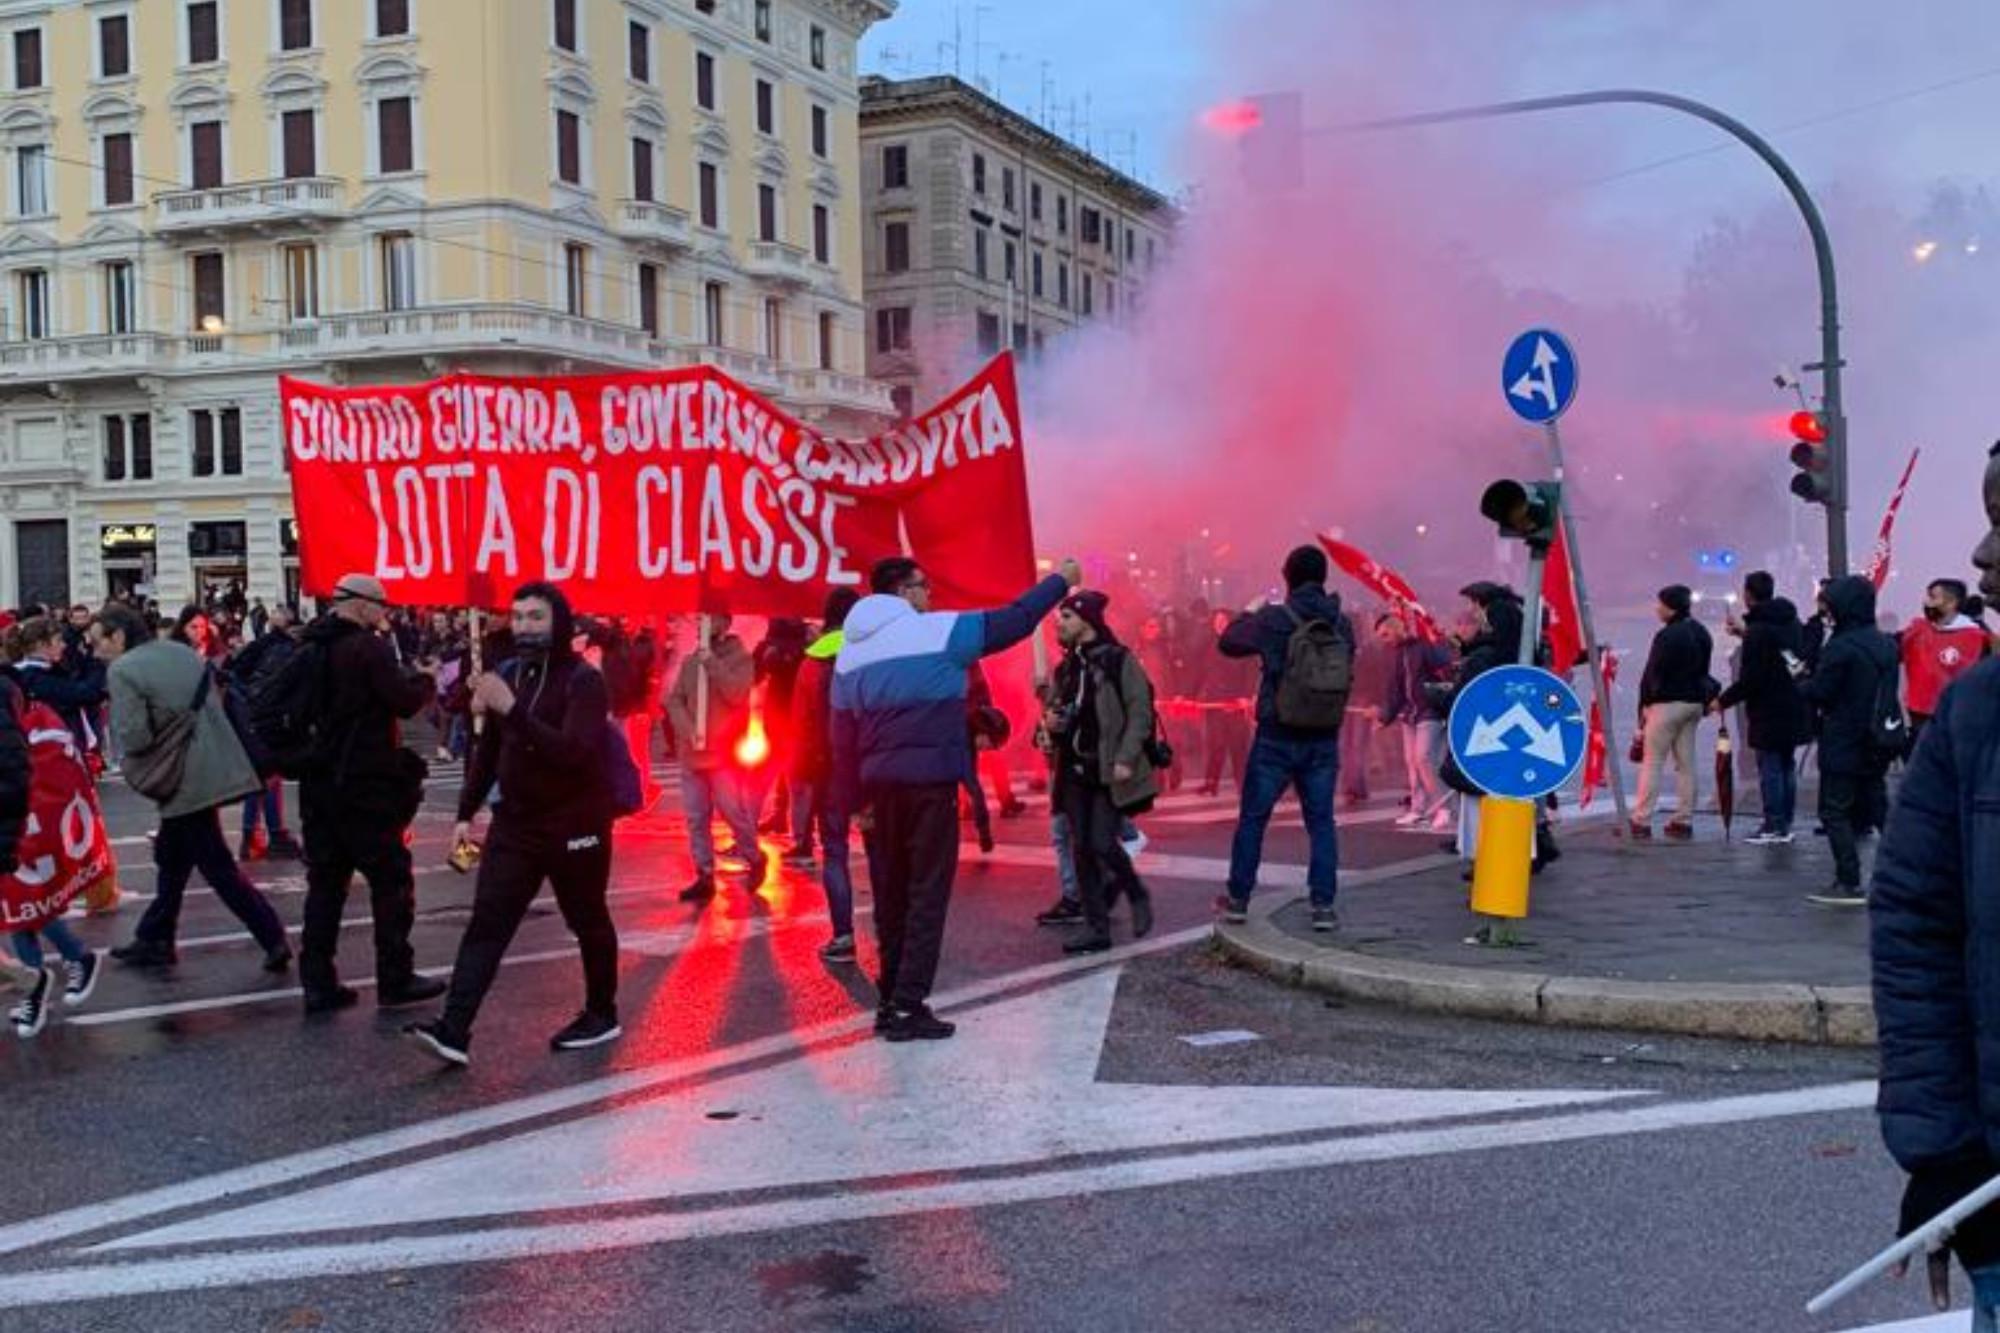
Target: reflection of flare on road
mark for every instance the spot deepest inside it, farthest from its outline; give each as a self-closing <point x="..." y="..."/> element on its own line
<point x="755" y="747"/>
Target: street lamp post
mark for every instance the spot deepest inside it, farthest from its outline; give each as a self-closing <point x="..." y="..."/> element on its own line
<point x="1829" y="364"/>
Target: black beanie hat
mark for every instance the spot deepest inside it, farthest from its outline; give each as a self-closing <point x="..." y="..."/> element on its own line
<point x="1677" y="598"/>
<point x="1305" y="567"/>
<point x="1089" y="605"/>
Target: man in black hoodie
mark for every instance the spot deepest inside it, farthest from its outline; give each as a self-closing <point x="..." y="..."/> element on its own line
<point x="1673" y="695"/>
<point x="1287" y="756"/>
<point x="1857" y="664"/>
<point x="358" y="801"/>
<point x="546" y="720"/>
<point x="1767" y="687"/>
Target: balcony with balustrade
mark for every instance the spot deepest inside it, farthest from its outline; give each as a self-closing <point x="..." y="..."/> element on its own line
<point x="656" y="225"/>
<point x="309" y="201"/>
<point x="776" y="262"/>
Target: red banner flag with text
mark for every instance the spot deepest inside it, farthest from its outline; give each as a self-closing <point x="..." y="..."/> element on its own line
<point x="1878" y="562"/>
<point x="1385" y="583"/>
<point x="1563" y="619"/>
<point x="1597" y="755"/>
<point x="63" y="846"/>
<point x="660" y="491"/>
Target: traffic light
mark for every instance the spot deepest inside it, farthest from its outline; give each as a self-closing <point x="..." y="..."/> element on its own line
<point x="1526" y="511"/>
<point x="1270" y="130"/>
<point x="1813" y="481"/>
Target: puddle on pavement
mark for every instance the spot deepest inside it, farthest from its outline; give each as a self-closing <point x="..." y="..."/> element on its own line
<point x="823" y="1276"/>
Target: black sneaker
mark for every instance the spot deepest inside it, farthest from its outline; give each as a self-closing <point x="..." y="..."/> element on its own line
<point x="331" y="999"/>
<point x="884" y="1016"/>
<point x="1235" y="911"/>
<point x="146" y="953"/>
<point x="986" y="842"/>
<point x="1088" y="944"/>
<point x="1142" y="917"/>
<point x="839" y="949"/>
<point x="918" y="1024"/>
<point x="82" y="979"/>
<point x="31" y="1015"/>
<point x="440" y="1041"/>
<point x="586" y="1029"/>
<point x="285" y="847"/>
<point x="1325" y="919"/>
<point x="278" y="959"/>
<point x="1066" y="912"/>
<point x="414" y="991"/>
<point x="700" y="891"/>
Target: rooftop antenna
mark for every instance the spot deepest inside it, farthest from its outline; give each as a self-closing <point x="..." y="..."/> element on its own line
<point x="1086" y="122"/>
<point x="979" y="13"/>
<point x="1047" y="83"/>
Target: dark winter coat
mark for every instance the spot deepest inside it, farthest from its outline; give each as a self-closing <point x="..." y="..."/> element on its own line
<point x="1851" y="668"/>
<point x="368" y="691"/>
<point x="546" y="754"/>
<point x="70" y="696"/>
<point x="1497" y="645"/>
<point x="1415" y="665"/>
<point x="1677" y="668"/>
<point x="1934" y="915"/>
<point x="1267" y="634"/>
<point x="1764" y="684"/>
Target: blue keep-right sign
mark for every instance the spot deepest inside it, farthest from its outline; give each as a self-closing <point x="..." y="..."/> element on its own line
<point x="1538" y="375"/>
<point x="1517" y="731"/>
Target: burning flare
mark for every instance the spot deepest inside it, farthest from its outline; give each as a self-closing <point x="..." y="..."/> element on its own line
<point x="755" y="747"/>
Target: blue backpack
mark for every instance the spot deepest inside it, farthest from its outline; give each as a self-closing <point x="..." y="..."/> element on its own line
<point x="615" y="766"/>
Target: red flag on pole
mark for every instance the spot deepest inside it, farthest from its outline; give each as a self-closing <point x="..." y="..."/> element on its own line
<point x="1565" y="619"/>
<point x="1878" y="563"/>
<point x="1385" y="583"/>
<point x="1597" y="756"/>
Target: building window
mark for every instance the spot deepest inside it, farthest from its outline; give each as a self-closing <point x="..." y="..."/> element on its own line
<point x="1010" y="266"/>
<point x="642" y="169"/>
<point x="892" y="329"/>
<point x="395" y="132"/>
<point x="213" y="428"/>
<point x="569" y="148"/>
<point x="205" y="153"/>
<point x="114" y="46"/>
<point x="989" y="332"/>
<point x="392" y="18"/>
<point x="295" y="25"/>
<point x="565" y="21"/>
<point x="1111" y="237"/>
<point x="774" y="328"/>
<point x="1035" y="200"/>
<point x="896" y="247"/>
<point x="1007" y="188"/>
<point x="704" y="80"/>
<point x="576" y="274"/>
<point x="639" y="48"/>
<point x="1088" y="287"/>
<point x="27" y="58"/>
<point x="816" y="47"/>
<point x="904" y="400"/>
<point x="822" y="234"/>
<point x="32" y="286"/>
<point x="826" y="332"/>
<point x="709" y="195"/>
<point x="1035" y="274"/>
<point x="121" y="307"/>
<point x="399" y="271"/>
<point x="895" y="167"/>
<point x="979" y="253"/>
<point x="705" y="6"/>
<point x="763" y="20"/>
<point x="117" y="176"/>
<point x="1086" y="225"/>
<point x="300" y="158"/>
<point x="1062" y="284"/>
<point x="979" y="174"/>
<point x="767" y="107"/>
<point x="1110" y="298"/>
<point x="1020" y="337"/>
<point x="649" y="299"/>
<point x="31" y="180"/>
<point x="819" y="133"/>
<point x="204" y="33"/>
<point x="301" y="283"/>
<point x="1149" y="252"/>
<point x="210" y="292"/>
<point x="712" y="300"/>
<point x="1128" y="245"/>
<point x="128" y="447"/>
<point x="767" y="212"/>
<point x="1062" y="215"/>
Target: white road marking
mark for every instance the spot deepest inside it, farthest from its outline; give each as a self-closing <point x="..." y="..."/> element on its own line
<point x="1956" y="1322"/>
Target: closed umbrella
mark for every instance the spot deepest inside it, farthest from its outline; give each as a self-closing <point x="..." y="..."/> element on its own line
<point x="1725" y="779"/>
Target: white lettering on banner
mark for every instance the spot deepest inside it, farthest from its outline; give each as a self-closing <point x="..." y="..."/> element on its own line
<point x="795" y="499"/>
<point x="582" y="497"/>
<point x="361" y="430"/>
<point x="496" y="529"/>
<point x="443" y="474"/>
<point x="714" y="403"/>
<point x="410" y="509"/>
<point x="996" y="432"/>
<point x="500" y="418"/>
<point x="383" y="568"/>
<point x="836" y="574"/>
<point x="714" y="521"/>
<point x="757" y="559"/>
<point x="653" y="558"/>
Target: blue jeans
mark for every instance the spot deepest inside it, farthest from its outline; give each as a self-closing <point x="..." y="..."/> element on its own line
<point x="705" y="793"/>
<point x="1778" y="779"/>
<point x="270" y="804"/>
<point x="28" y="943"/>
<point x="1985" y="1300"/>
<point x="1311" y="767"/>
<point x="803" y="815"/>
<point x="834" y="872"/>
<point x="1065" y="857"/>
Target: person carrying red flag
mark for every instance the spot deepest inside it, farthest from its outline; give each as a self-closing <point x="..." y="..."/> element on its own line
<point x="1940" y="646"/>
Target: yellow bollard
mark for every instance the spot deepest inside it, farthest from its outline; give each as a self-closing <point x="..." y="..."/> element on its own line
<point x="1506" y="846"/>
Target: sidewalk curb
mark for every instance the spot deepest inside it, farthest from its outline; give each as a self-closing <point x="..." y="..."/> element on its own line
<point x="1794" y="1012"/>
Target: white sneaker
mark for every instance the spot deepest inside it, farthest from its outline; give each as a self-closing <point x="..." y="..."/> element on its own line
<point x="1409" y="819"/>
<point x="1442" y="822"/>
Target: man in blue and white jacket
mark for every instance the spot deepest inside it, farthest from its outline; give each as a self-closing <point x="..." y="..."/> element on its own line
<point x="899" y="751"/>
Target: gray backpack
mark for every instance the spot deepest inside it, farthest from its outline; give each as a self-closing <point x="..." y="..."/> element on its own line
<point x="1318" y="677"/>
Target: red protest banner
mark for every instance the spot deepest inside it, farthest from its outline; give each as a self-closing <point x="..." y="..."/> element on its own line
<point x="1562" y="617"/>
<point x="1878" y="560"/>
<point x="663" y="491"/>
<point x="1385" y="583"/>
<point x="63" y="846"/>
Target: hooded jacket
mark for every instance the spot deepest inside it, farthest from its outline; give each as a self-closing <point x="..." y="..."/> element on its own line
<point x="1267" y="635"/>
<point x="898" y="702"/>
<point x="812" y="700"/>
<point x="69" y="695"/>
<point x="1936" y="655"/>
<point x="368" y="692"/>
<point x="1764" y="684"/>
<point x="1851" y="669"/>
<point x="1677" y="667"/>
<point x="1121" y="696"/>
<point x="1499" y="643"/>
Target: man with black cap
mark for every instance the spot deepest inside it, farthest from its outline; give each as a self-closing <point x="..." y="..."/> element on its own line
<point x="1100" y="723"/>
<point x="1673" y="695"/>
<point x="359" y="799"/>
<point x="1306" y="650"/>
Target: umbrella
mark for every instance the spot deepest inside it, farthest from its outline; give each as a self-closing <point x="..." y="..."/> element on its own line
<point x="1725" y="779"/>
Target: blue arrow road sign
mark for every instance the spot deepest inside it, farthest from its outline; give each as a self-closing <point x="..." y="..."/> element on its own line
<point x="1538" y="376"/>
<point x="1517" y="731"/>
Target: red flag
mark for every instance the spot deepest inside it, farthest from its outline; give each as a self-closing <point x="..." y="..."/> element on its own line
<point x="1385" y="583"/>
<point x="1878" y="563"/>
<point x="1565" y="621"/>
<point x="1597" y="757"/>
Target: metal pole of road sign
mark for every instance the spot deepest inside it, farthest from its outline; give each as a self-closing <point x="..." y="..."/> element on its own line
<point x="1829" y="365"/>
<point x="1598" y="684"/>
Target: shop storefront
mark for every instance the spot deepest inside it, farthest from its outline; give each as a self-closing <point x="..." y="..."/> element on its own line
<point x="219" y="554"/>
<point x="130" y="552"/>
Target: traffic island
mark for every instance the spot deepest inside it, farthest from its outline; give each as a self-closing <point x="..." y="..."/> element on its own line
<point x="1706" y="938"/>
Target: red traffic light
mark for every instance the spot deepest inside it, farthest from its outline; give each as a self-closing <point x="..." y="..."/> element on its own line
<point x="1233" y="118"/>
<point x="1809" y="427"/>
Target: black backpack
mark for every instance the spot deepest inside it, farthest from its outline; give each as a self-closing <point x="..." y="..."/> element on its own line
<point x="1319" y="675"/>
<point x="287" y="711"/>
<point x="1888" y="728"/>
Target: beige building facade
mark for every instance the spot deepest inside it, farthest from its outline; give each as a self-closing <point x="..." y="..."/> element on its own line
<point x="203" y="195"/>
<point x="984" y="231"/>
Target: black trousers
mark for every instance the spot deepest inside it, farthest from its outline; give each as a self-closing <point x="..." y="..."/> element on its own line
<point x="578" y="870"/>
<point x="1103" y="870"/>
<point x="912" y="860"/>
<point x="1850" y="804"/>
<point x="343" y="836"/>
<point x="185" y="844"/>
